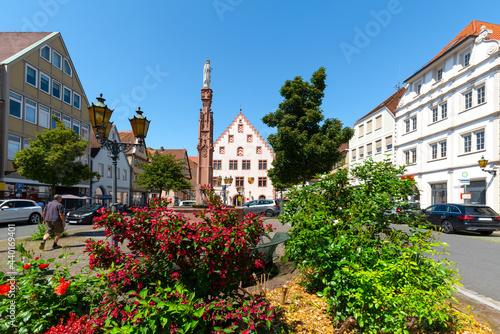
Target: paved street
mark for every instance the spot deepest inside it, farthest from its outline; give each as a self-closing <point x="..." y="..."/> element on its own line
<point x="478" y="261"/>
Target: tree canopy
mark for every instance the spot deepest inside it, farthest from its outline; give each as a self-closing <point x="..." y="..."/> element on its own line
<point x="163" y="172"/>
<point x="53" y="158"/>
<point x="305" y="144"/>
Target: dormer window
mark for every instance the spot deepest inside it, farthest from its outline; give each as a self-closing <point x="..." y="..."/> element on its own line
<point x="419" y="88"/>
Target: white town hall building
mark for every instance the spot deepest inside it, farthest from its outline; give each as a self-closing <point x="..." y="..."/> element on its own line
<point x="242" y="154"/>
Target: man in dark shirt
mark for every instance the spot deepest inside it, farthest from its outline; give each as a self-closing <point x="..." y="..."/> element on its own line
<point x="53" y="217"/>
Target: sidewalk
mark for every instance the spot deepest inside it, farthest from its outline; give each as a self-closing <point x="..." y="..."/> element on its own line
<point x="74" y="242"/>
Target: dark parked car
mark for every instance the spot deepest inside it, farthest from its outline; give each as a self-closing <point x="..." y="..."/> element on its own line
<point x="463" y="217"/>
<point x="268" y="207"/>
<point x="84" y="215"/>
<point x="410" y="209"/>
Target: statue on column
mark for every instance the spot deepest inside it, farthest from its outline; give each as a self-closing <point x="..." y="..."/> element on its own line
<point x="206" y="74"/>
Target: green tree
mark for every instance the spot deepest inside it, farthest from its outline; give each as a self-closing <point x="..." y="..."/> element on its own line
<point x="305" y="144"/>
<point x="52" y="158"/>
<point x="164" y="172"/>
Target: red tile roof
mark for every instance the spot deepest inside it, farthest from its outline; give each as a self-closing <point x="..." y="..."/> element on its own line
<point x="390" y="103"/>
<point x="177" y="153"/>
<point x="471" y="30"/>
<point x="14" y="42"/>
<point x="193" y="159"/>
<point x="343" y="147"/>
<point x="127" y="137"/>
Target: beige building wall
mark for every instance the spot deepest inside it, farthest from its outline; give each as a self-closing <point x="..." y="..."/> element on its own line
<point x="30" y="96"/>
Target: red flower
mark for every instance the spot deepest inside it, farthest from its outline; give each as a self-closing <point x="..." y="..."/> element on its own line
<point x="61" y="289"/>
<point x="27" y="266"/>
<point x="44" y="265"/>
<point x="36" y="258"/>
<point x="4" y="289"/>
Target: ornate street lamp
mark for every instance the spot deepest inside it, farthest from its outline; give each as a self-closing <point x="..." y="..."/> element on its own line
<point x="227" y="183"/>
<point x="483" y="163"/>
<point x="240" y="190"/>
<point x="100" y="116"/>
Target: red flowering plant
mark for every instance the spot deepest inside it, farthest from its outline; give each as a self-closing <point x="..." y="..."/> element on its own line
<point x="73" y="325"/>
<point x="175" y="269"/>
<point x="43" y="293"/>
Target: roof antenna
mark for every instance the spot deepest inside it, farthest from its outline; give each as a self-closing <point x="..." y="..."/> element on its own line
<point x="398" y="85"/>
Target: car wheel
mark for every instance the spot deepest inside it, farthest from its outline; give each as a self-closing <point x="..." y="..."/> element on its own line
<point x="269" y="213"/>
<point x="447" y="227"/>
<point x="486" y="232"/>
<point x="35" y="218"/>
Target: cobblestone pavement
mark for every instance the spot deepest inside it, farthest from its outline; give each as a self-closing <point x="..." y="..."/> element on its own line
<point x="73" y="244"/>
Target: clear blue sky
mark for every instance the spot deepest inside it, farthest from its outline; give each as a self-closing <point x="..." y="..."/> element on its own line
<point x="254" y="47"/>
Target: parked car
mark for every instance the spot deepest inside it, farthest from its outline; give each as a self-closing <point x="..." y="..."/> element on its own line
<point x="20" y="210"/>
<point x="84" y="215"/>
<point x="463" y="217"/>
<point x="411" y="209"/>
<point x="267" y="207"/>
<point x="187" y="203"/>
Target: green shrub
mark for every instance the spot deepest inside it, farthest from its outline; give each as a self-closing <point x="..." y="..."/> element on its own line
<point x="383" y="277"/>
<point x="40" y="232"/>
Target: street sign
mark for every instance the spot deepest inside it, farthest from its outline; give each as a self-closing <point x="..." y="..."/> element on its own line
<point x="465" y="196"/>
<point x="465" y="181"/>
<point x="19" y="186"/>
<point x="465" y="174"/>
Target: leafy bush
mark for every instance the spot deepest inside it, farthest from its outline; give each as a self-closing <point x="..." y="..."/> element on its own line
<point x="179" y="275"/>
<point x="382" y="277"/>
<point x="40" y="232"/>
<point x="41" y="293"/>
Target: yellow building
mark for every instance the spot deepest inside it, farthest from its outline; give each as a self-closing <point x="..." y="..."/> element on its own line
<point x="37" y="80"/>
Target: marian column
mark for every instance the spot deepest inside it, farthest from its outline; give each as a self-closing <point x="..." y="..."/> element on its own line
<point x="205" y="137"/>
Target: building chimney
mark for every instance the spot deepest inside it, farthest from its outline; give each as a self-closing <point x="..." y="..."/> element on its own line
<point x="161" y="149"/>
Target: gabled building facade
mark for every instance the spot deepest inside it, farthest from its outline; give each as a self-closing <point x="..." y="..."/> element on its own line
<point x="240" y="152"/>
<point x="374" y="132"/>
<point x="37" y="80"/>
<point x="449" y="118"/>
<point x="136" y="157"/>
<point x="103" y="164"/>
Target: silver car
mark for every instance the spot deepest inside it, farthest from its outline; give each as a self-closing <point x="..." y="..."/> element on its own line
<point x="267" y="207"/>
<point x="20" y="210"/>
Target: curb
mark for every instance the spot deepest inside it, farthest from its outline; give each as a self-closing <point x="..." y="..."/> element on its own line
<point x="479" y="298"/>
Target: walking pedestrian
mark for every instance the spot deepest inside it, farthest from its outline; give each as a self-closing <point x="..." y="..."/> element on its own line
<point x="53" y="218"/>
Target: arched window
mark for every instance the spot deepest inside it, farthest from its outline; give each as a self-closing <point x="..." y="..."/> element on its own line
<point x="240" y="151"/>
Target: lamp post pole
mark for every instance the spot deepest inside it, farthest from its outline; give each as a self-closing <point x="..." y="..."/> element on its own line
<point x="99" y="116"/>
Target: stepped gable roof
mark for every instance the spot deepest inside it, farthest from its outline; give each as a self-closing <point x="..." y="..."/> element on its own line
<point x="255" y="132"/>
<point x="12" y="43"/>
<point x="471" y="30"/>
<point x="390" y="103"/>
